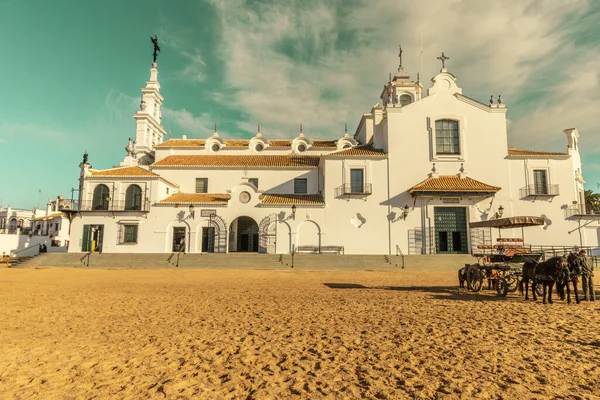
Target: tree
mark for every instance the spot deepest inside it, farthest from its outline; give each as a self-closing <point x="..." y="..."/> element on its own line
<point x="592" y="202"/>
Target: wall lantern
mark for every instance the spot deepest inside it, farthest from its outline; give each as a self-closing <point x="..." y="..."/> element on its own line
<point x="500" y="211"/>
<point x="405" y="211"/>
<point x="192" y="212"/>
<point x="293" y="211"/>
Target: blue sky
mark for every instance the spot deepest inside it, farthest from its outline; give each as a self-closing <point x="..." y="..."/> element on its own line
<point x="72" y="72"/>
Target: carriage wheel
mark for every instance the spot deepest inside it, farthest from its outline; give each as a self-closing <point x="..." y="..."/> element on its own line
<point x="503" y="287"/>
<point x="474" y="278"/>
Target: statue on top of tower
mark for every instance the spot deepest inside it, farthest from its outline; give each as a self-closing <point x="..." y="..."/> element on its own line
<point x="154" y="41"/>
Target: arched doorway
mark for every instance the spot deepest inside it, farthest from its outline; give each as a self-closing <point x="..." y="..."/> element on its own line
<point x="244" y="235"/>
<point x="309" y="235"/>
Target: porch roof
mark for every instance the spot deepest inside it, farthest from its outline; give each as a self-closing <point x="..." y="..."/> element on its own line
<point x="453" y="184"/>
<point x="197" y="198"/>
<point x="299" y="200"/>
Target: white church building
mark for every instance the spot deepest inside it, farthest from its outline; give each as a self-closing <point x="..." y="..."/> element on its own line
<point x="422" y="165"/>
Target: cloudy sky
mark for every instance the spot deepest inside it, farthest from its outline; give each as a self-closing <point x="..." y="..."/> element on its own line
<point x="71" y="72"/>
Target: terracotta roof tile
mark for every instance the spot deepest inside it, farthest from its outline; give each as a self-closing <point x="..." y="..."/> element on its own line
<point x="280" y="143"/>
<point x="124" y="172"/>
<point x="197" y="198"/>
<point x="238" y="161"/>
<point x="237" y="142"/>
<point x="364" y="150"/>
<point x="290" y="199"/>
<point x="183" y="143"/>
<point x="453" y="183"/>
<point x="324" y="143"/>
<point x="243" y="143"/>
<point x="525" y="153"/>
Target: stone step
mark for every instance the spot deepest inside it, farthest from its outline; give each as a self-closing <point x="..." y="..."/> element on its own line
<point x="249" y="261"/>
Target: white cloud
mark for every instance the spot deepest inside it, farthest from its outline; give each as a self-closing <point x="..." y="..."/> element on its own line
<point x="494" y="47"/>
<point x="25" y="131"/>
<point x="571" y="102"/>
<point x="198" y="127"/>
<point x="194" y="69"/>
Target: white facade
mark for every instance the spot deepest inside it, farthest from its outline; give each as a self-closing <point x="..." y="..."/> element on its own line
<point x="23" y="231"/>
<point x="418" y="169"/>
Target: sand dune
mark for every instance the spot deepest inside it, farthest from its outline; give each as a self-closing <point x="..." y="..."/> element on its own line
<point x="226" y="334"/>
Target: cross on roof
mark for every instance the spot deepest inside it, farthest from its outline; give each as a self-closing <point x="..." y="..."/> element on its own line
<point x="443" y="58"/>
<point x="400" y="56"/>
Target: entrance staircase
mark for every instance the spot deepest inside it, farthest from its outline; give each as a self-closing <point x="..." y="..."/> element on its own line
<point x="313" y="262"/>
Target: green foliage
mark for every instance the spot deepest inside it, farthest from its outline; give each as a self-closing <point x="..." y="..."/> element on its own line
<point x="592" y="202"/>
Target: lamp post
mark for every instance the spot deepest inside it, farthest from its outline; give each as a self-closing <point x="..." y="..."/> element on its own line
<point x="294" y="218"/>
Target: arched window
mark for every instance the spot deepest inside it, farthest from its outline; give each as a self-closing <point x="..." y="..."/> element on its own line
<point x="101" y="198"/>
<point x="12" y="224"/>
<point x="20" y="224"/>
<point x="405" y="99"/>
<point x="446" y="137"/>
<point x="133" y="198"/>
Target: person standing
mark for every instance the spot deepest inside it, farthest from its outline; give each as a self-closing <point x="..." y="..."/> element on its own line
<point x="182" y="245"/>
<point x="587" y="276"/>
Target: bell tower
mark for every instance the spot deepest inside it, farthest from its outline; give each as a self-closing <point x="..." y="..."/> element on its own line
<point x="400" y="90"/>
<point x="149" y="130"/>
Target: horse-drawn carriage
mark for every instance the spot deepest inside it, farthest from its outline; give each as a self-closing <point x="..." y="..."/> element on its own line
<point x="501" y="263"/>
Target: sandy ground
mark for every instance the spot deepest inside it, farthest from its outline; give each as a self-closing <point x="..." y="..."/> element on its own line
<point x="221" y="334"/>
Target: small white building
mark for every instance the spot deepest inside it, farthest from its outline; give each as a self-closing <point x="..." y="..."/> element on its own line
<point x="23" y="232"/>
<point x="15" y="221"/>
<point x="421" y="166"/>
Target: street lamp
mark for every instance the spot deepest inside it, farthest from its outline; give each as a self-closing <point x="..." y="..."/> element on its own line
<point x="192" y="212"/>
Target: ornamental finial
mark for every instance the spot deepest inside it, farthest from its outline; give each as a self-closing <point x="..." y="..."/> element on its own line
<point x="258" y="131"/>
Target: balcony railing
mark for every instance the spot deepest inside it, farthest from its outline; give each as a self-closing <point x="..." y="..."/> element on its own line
<point x="579" y="211"/>
<point x="532" y="190"/>
<point x="114" y="205"/>
<point x="351" y="190"/>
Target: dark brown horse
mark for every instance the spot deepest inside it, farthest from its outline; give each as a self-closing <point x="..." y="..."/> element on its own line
<point x="573" y="278"/>
<point x="545" y="273"/>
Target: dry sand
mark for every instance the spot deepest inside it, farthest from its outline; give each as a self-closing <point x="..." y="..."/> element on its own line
<point x="221" y="334"/>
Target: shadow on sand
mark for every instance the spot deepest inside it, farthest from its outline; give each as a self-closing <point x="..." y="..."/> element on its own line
<point x="440" y="292"/>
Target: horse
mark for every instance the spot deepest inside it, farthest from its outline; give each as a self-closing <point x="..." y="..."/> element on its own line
<point x="547" y="273"/>
<point x="574" y="274"/>
<point x="528" y="275"/>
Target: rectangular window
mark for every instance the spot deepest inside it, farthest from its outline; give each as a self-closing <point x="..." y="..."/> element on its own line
<point x="300" y="185"/>
<point x="446" y="137"/>
<point x="357" y="182"/>
<point x="201" y="185"/>
<point x="128" y="233"/>
<point x="253" y="181"/>
<point x="540" y="181"/>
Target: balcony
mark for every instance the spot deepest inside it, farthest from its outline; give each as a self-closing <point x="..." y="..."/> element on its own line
<point x="533" y="191"/>
<point x="577" y="211"/>
<point x="120" y="206"/>
<point x="351" y="190"/>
